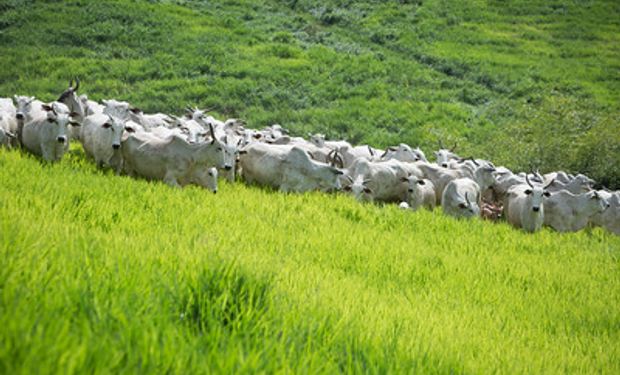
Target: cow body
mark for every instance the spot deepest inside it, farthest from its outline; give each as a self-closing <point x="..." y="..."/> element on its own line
<point x="47" y="136"/>
<point x="172" y="160"/>
<point x="568" y="212"/>
<point x="289" y="169"/>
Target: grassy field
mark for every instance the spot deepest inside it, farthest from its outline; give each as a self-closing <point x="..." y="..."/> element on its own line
<point x="100" y="273"/>
<point x="521" y="82"/>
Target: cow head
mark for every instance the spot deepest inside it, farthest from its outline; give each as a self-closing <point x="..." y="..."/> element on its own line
<point x="595" y="202"/>
<point x="207" y="178"/>
<point x="443" y="155"/>
<point x="358" y="187"/>
<point x="536" y="193"/>
<point x="468" y="208"/>
<point x="70" y="98"/>
<point x="24" y="105"/>
<point x="115" y="127"/>
<point x="414" y="187"/>
<point x="58" y="118"/>
<point x="318" y="140"/>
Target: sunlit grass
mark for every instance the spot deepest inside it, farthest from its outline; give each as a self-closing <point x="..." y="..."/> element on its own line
<point x="106" y="273"/>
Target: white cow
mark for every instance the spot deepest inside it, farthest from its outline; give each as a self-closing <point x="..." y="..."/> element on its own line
<point x="576" y="185"/>
<point x="420" y="193"/>
<point x="404" y="152"/>
<point x="101" y="138"/>
<point x="47" y="136"/>
<point x="289" y="169"/>
<point x="610" y="218"/>
<point x="358" y="188"/>
<point x="173" y="160"/>
<point x="460" y="198"/>
<point x="525" y="205"/>
<point x="8" y="123"/>
<point x="444" y="156"/>
<point x="91" y="107"/>
<point x="568" y="212"/>
<point x="385" y="178"/>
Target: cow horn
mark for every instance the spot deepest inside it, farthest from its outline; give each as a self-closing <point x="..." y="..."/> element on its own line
<point x="338" y="159"/>
<point x="474" y="161"/>
<point x="440" y="144"/>
<point x="527" y="179"/>
<point x="453" y="147"/>
<point x="467" y="199"/>
<point x="212" y="133"/>
<point x="549" y="184"/>
<point x="350" y="178"/>
<point x="77" y="84"/>
<point x="385" y="153"/>
<point x="372" y="153"/>
<point x="366" y="181"/>
<point x="71" y="83"/>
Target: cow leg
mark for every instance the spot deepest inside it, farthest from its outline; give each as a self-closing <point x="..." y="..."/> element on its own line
<point x="171" y="180"/>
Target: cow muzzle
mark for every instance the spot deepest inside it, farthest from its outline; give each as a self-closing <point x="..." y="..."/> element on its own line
<point x="445" y="165"/>
<point x="116" y="146"/>
<point x="19" y="116"/>
<point x="535" y="209"/>
<point x="227" y="167"/>
<point x="61" y="139"/>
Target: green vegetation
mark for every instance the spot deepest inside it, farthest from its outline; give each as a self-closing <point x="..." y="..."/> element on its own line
<point x="100" y="273"/>
<point x="521" y="83"/>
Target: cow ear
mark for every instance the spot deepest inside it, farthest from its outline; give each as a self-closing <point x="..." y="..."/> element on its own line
<point x="528" y="192"/>
<point x="243" y="152"/>
<point x="367" y="190"/>
<point x="462" y="205"/>
<point x="135" y="110"/>
<point x="46" y="107"/>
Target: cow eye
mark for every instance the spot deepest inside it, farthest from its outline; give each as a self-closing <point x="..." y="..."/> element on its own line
<point x="219" y="149"/>
<point x="421" y="182"/>
<point x="210" y="173"/>
<point x="107" y="125"/>
<point x="367" y="190"/>
<point x="528" y="192"/>
<point x="547" y="194"/>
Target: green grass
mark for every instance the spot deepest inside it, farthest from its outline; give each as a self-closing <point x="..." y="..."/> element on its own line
<point x="100" y="273"/>
<point x="379" y="72"/>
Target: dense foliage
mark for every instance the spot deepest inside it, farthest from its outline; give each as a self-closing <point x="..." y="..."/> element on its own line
<point x="524" y="83"/>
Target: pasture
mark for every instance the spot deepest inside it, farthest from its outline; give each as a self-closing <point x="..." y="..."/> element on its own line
<point x="101" y="273"/>
<point x="105" y="274"/>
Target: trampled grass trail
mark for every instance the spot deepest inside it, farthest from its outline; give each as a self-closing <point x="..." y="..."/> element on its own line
<point x="100" y="273"/>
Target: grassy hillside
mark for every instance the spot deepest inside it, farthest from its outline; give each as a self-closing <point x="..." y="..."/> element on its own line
<point x="521" y="82"/>
<point x="100" y="273"/>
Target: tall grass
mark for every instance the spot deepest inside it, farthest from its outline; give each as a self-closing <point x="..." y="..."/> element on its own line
<point x="102" y="273"/>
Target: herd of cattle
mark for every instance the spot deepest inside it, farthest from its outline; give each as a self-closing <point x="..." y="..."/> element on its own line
<point x="195" y="148"/>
